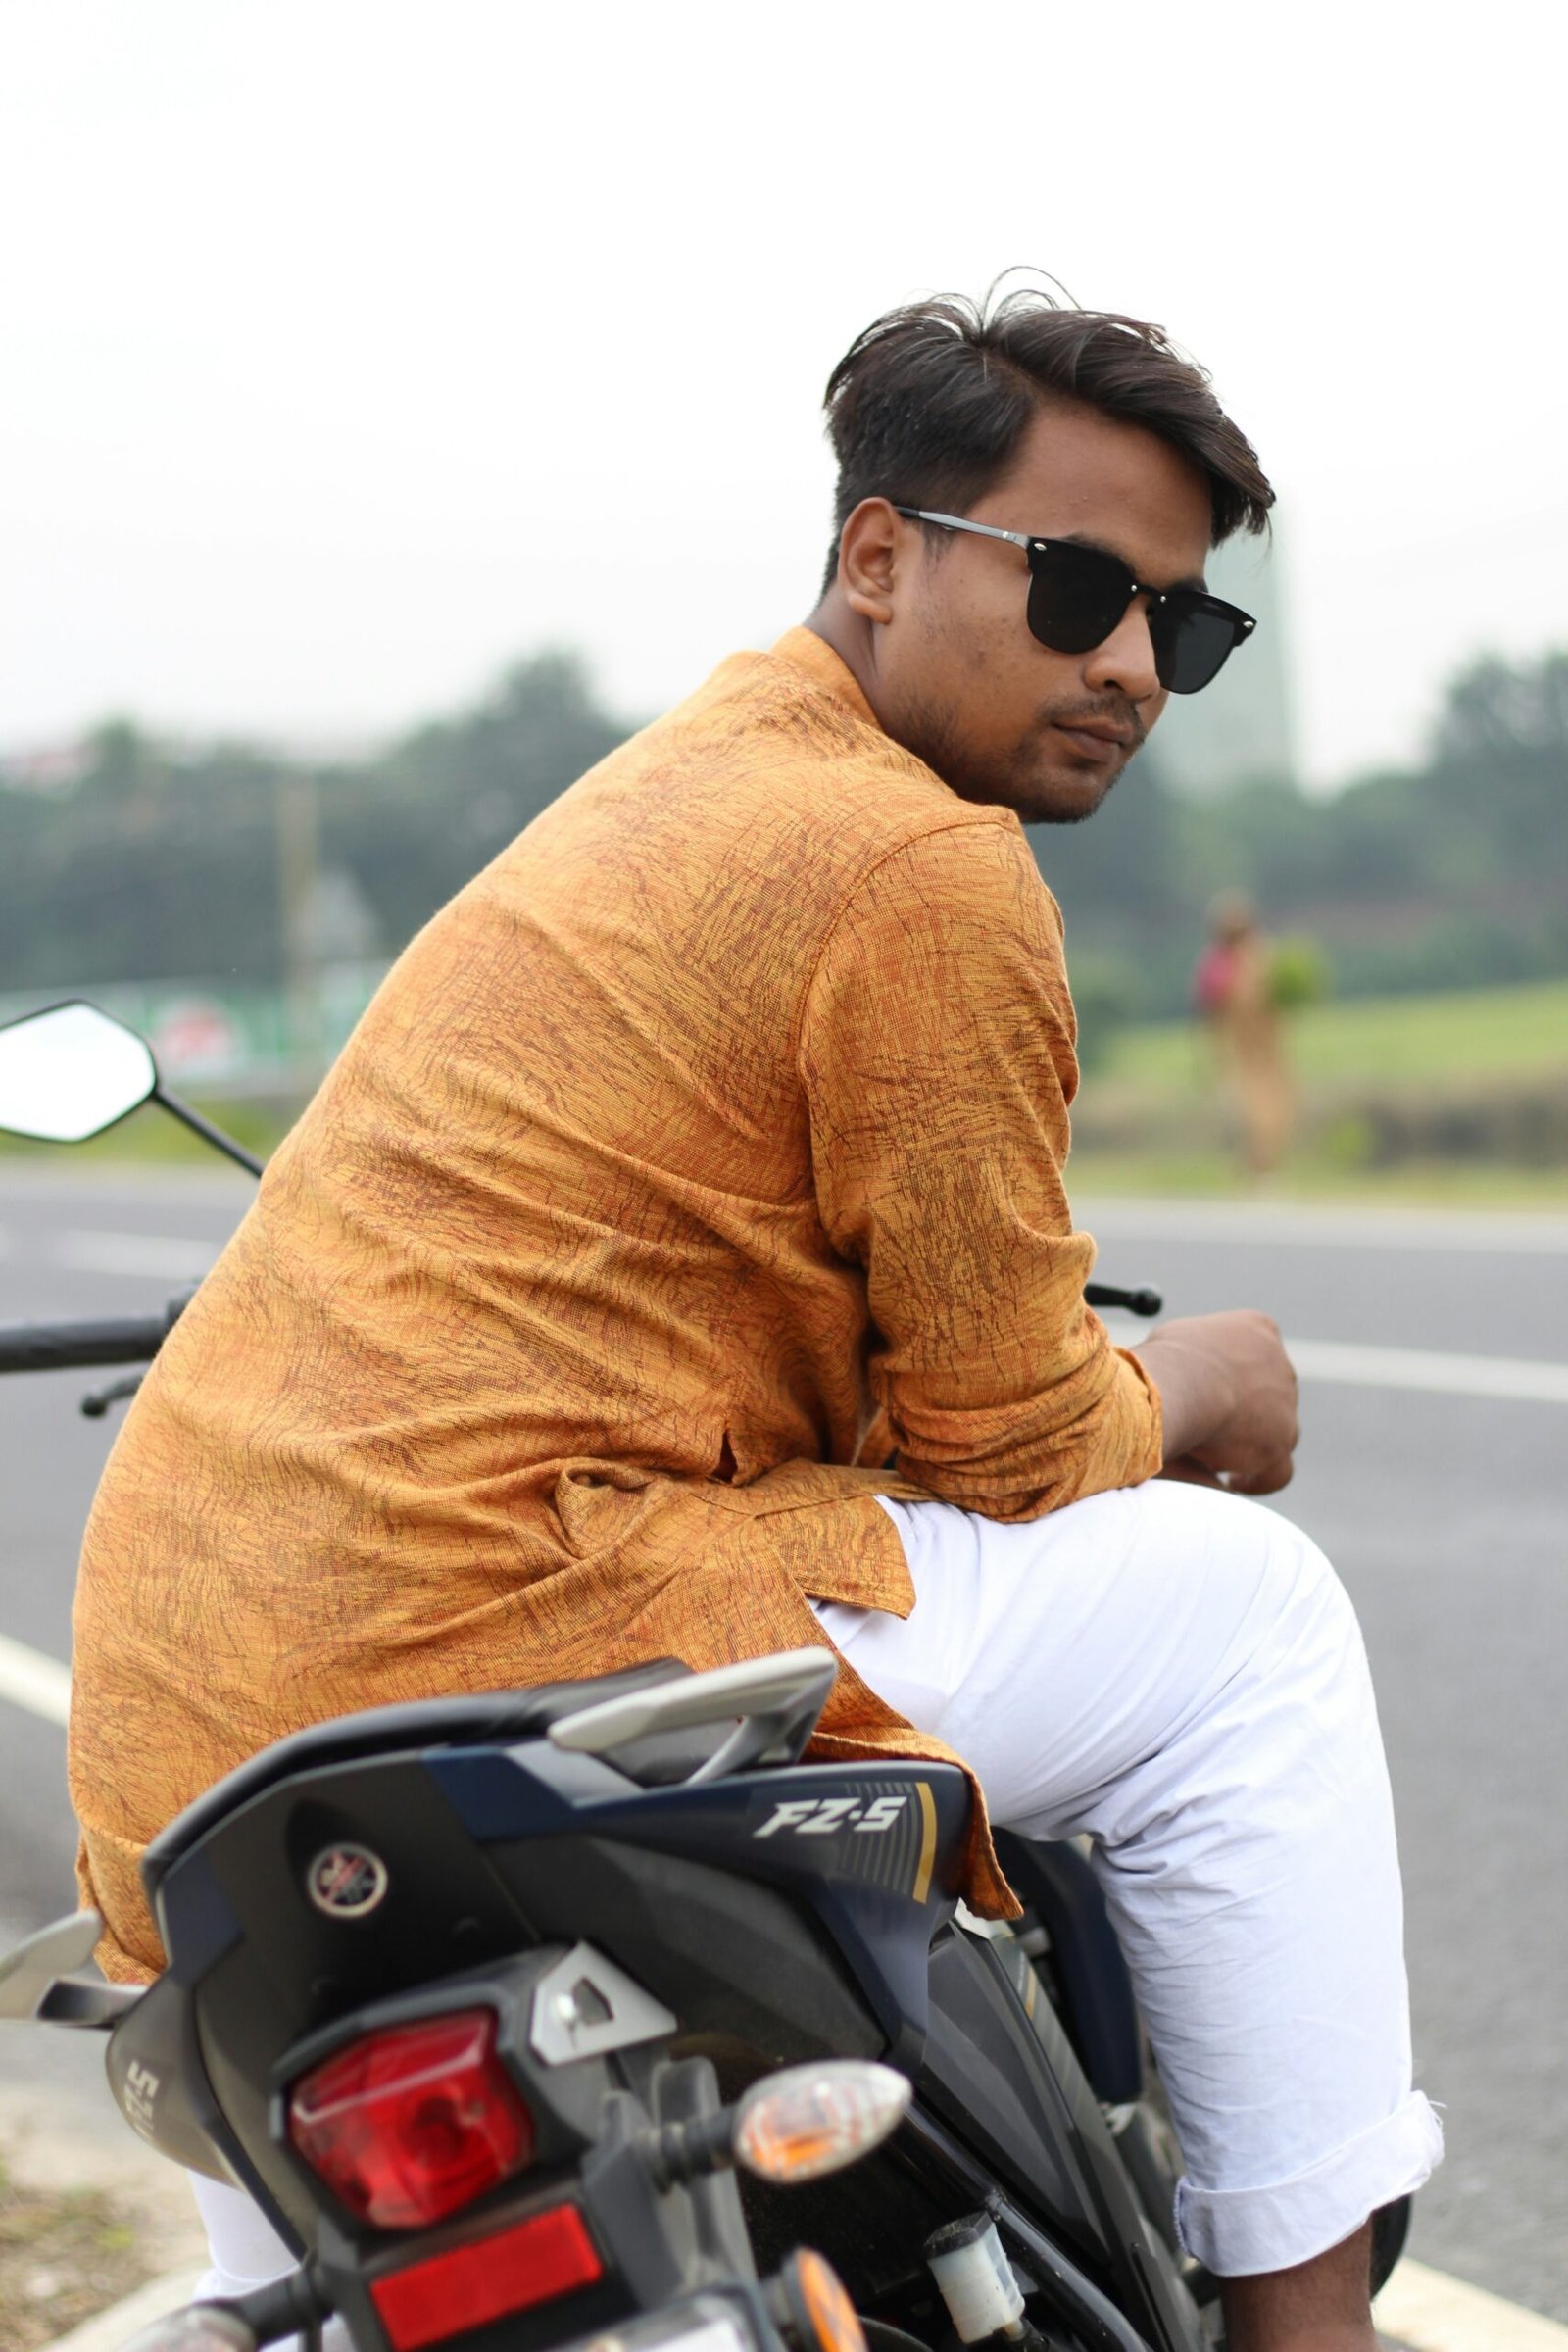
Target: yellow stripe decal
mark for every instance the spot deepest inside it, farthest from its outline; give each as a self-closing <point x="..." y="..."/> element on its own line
<point x="928" y="1841"/>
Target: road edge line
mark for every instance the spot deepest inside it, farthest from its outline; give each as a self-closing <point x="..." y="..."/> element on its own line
<point x="1358" y="1363"/>
<point x="30" y="1679"/>
<point x="108" y="2329"/>
<point x="1427" y="2311"/>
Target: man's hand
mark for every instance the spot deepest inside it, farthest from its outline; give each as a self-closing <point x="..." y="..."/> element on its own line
<point x="1228" y="1395"/>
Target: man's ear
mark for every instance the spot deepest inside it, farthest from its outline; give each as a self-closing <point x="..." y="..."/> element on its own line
<point x="871" y="546"/>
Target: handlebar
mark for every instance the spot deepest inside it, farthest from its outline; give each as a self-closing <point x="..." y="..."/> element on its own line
<point x="1135" y="1302"/>
<point x="66" y="1347"/>
<point x="136" y="1338"/>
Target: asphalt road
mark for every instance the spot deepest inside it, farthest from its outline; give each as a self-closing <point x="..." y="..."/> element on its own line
<point x="1445" y="1512"/>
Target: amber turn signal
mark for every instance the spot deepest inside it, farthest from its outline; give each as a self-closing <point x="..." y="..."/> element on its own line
<point x="812" y="2120"/>
<point x="820" y="2317"/>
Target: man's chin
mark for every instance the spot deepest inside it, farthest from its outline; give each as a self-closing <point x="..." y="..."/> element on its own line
<point x="1039" y="789"/>
<point x="1063" y="795"/>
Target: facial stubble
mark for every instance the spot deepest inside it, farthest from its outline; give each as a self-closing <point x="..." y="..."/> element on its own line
<point x="1015" y="780"/>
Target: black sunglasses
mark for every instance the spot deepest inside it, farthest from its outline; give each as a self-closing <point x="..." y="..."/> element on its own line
<point x="1077" y="595"/>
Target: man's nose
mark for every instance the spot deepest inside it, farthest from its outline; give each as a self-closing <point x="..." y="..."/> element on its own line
<point x="1126" y="658"/>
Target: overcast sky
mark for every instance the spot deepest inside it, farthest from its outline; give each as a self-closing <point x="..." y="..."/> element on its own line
<point x="353" y="347"/>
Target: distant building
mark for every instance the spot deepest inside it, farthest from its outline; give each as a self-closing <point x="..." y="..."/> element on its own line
<point x="54" y="767"/>
<point x="1238" y="730"/>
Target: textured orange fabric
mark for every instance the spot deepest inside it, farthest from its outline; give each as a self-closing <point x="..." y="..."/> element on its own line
<point x="708" y="1145"/>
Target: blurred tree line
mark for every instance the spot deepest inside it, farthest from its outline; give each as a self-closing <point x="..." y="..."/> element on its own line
<point x="1443" y="876"/>
<point x="163" y="862"/>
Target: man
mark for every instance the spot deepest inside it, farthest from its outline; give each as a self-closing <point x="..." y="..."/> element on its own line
<point x="677" y="1261"/>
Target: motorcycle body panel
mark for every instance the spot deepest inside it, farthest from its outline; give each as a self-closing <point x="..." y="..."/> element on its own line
<point x="802" y="1911"/>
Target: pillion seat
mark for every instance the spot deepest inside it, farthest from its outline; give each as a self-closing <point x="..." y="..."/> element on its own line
<point x="472" y="1720"/>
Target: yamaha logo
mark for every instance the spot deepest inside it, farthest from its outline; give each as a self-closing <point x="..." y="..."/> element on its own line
<point x="346" y="1881"/>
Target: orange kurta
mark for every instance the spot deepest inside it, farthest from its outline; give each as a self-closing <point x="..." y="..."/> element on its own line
<point x="707" y="1145"/>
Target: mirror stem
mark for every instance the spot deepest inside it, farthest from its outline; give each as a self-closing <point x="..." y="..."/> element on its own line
<point x="206" y="1130"/>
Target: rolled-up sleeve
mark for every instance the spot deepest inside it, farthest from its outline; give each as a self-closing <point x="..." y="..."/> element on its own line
<point x="936" y="1054"/>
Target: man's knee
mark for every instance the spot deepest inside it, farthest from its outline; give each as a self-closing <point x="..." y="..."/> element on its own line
<point x="1314" y="1607"/>
<point x="1283" y="1638"/>
<point x="1283" y="1579"/>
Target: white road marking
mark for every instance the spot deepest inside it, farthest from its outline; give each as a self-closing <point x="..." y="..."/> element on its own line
<point x="165" y="1255"/>
<point x="1425" y="2311"/>
<point x="30" y="1679"/>
<point x="1522" y="1378"/>
<point x="1320" y="1226"/>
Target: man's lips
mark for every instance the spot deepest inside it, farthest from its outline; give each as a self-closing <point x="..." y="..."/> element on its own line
<point x="1095" y="741"/>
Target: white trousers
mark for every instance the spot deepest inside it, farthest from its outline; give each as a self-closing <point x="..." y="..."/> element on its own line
<point x="1178" y="1674"/>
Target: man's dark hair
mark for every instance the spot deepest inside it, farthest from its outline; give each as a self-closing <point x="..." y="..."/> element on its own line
<point x="929" y="404"/>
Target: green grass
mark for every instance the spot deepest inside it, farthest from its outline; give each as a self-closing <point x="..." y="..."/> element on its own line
<point x="1412" y="1184"/>
<point x="1474" y="1033"/>
<point x="1154" y="1113"/>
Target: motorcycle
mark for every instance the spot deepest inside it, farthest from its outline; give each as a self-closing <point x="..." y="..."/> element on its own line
<point x="590" y="2017"/>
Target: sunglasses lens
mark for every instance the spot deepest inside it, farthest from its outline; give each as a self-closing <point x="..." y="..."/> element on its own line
<point x="1076" y="595"/>
<point x="1192" y="642"/>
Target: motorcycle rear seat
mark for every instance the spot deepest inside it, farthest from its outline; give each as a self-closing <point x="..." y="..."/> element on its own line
<point x="495" y="1717"/>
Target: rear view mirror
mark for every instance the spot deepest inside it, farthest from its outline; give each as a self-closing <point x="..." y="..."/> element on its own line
<point x="70" y="1072"/>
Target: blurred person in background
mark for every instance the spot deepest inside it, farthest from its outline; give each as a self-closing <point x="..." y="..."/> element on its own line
<point x="1233" y="991"/>
<point x="678" y="1262"/>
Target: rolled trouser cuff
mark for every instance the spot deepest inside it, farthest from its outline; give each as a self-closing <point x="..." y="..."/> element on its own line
<point x="1236" y="2232"/>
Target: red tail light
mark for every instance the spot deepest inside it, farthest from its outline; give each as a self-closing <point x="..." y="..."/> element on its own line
<point x="547" y="2255"/>
<point x="410" y="2125"/>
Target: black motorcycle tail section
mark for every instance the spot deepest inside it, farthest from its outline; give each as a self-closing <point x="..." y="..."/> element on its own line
<point x="399" y="1864"/>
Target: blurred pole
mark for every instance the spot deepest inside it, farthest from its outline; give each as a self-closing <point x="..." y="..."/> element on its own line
<point x="298" y="869"/>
